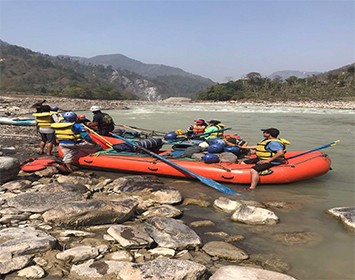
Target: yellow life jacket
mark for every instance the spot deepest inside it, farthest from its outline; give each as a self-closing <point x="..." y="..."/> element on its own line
<point x="217" y="134"/>
<point x="44" y="119"/>
<point x="63" y="131"/>
<point x="262" y="153"/>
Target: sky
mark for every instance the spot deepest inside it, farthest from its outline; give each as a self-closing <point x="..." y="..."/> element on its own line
<point x="220" y="40"/>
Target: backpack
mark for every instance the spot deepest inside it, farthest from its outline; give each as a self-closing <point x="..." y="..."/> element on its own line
<point x="107" y="119"/>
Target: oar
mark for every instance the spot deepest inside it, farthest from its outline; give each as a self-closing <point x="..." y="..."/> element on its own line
<point x="206" y="181"/>
<point x="316" y="149"/>
<point x="137" y="129"/>
<point x="108" y="143"/>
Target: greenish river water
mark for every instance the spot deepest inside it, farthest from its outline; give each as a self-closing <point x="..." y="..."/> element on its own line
<point x="332" y="256"/>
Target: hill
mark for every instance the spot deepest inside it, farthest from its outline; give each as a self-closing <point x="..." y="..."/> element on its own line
<point x="25" y="71"/>
<point x="337" y="84"/>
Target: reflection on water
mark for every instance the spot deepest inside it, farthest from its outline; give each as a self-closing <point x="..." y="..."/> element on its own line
<point x="331" y="257"/>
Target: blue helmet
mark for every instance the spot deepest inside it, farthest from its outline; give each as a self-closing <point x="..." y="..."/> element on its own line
<point x="232" y="149"/>
<point x="215" y="148"/>
<point x="219" y="141"/>
<point x="54" y="108"/>
<point x="170" y="136"/>
<point x="70" y="116"/>
<point x="210" y="158"/>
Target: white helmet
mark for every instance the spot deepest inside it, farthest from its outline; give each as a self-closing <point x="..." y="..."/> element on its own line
<point x="95" y="108"/>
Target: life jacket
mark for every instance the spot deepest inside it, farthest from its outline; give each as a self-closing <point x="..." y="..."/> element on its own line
<point x="63" y="131"/>
<point x="217" y="134"/>
<point x="198" y="129"/>
<point x="234" y="139"/>
<point x="44" y="119"/>
<point x="107" y="119"/>
<point x="262" y="153"/>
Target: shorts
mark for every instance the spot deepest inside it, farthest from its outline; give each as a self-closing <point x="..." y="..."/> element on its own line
<point x="48" y="137"/>
<point x="259" y="167"/>
<point x="71" y="150"/>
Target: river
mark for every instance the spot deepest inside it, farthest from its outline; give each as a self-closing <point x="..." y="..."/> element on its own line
<point x="332" y="256"/>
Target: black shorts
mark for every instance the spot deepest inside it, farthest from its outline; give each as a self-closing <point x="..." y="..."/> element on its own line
<point x="259" y="167"/>
<point x="48" y="137"/>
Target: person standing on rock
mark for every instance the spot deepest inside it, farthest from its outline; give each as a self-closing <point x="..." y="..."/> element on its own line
<point x="102" y="123"/>
<point x="73" y="139"/>
<point x="44" y="119"/>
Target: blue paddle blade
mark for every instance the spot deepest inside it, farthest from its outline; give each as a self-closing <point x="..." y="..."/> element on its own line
<point x="216" y="185"/>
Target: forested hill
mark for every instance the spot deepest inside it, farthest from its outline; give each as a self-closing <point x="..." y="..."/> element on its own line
<point x="338" y="84"/>
<point x="25" y="71"/>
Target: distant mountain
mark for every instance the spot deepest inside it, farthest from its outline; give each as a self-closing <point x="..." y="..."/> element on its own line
<point x="283" y="75"/>
<point x="178" y="81"/>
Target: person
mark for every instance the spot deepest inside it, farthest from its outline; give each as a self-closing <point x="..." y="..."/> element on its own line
<point x="197" y="128"/>
<point x="102" y="123"/>
<point x="82" y="119"/>
<point x="269" y="151"/>
<point x="73" y="139"/>
<point x="44" y="118"/>
<point x="213" y="129"/>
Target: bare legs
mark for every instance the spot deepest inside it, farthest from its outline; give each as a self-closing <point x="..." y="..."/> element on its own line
<point x="254" y="176"/>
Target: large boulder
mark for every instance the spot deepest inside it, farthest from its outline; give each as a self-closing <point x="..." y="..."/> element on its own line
<point x="9" y="168"/>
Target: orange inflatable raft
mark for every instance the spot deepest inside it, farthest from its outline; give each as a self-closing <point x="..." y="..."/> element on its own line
<point x="304" y="167"/>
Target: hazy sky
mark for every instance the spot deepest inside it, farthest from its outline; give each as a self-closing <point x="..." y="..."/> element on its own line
<point x="214" y="39"/>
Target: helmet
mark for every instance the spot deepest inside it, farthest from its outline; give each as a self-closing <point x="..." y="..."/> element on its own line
<point x="232" y="149"/>
<point x="70" y="116"/>
<point x="215" y="148"/>
<point x="95" y="108"/>
<point x="81" y="116"/>
<point x="218" y="141"/>
<point x="170" y="136"/>
<point x="54" y="108"/>
<point x="210" y="158"/>
<point x="203" y="145"/>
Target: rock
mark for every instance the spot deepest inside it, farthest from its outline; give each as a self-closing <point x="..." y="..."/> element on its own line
<point x="123" y="256"/>
<point x="41" y="202"/>
<point x="226" y="205"/>
<point x="91" y="212"/>
<point x="298" y="238"/>
<point x="204" y="223"/>
<point x="33" y="272"/>
<point x="78" y="254"/>
<point x="159" y="251"/>
<point x="194" y="201"/>
<point x="235" y="272"/>
<point x="346" y="215"/>
<point x="9" y="263"/>
<point x="163" y="269"/>
<point x="224" y="250"/>
<point x="131" y="237"/>
<point x="170" y="233"/>
<point x="161" y="211"/>
<point x="254" y="216"/>
<point x="97" y="269"/>
<point x="9" y="168"/>
<point x="18" y="185"/>
<point x="134" y="183"/>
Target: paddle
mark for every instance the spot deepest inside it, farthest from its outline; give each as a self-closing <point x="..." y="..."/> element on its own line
<point x="137" y="129"/>
<point x="206" y="181"/>
<point x="316" y="149"/>
<point x="106" y="142"/>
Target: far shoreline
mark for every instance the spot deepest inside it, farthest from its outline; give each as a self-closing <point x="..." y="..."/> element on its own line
<point x="17" y="105"/>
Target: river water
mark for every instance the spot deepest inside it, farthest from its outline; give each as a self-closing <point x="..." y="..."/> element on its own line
<point x="332" y="254"/>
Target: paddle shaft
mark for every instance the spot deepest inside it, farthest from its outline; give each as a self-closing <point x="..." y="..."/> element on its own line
<point x="137" y="129"/>
<point x="316" y="149"/>
<point x="108" y="143"/>
<point x="204" y="180"/>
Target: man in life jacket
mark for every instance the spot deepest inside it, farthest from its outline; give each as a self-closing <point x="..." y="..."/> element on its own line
<point x="44" y="118"/>
<point x="73" y="139"/>
<point x="102" y="123"/>
<point x="270" y="152"/>
<point x="197" y="128"/>
<point x="213" y="129"/>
